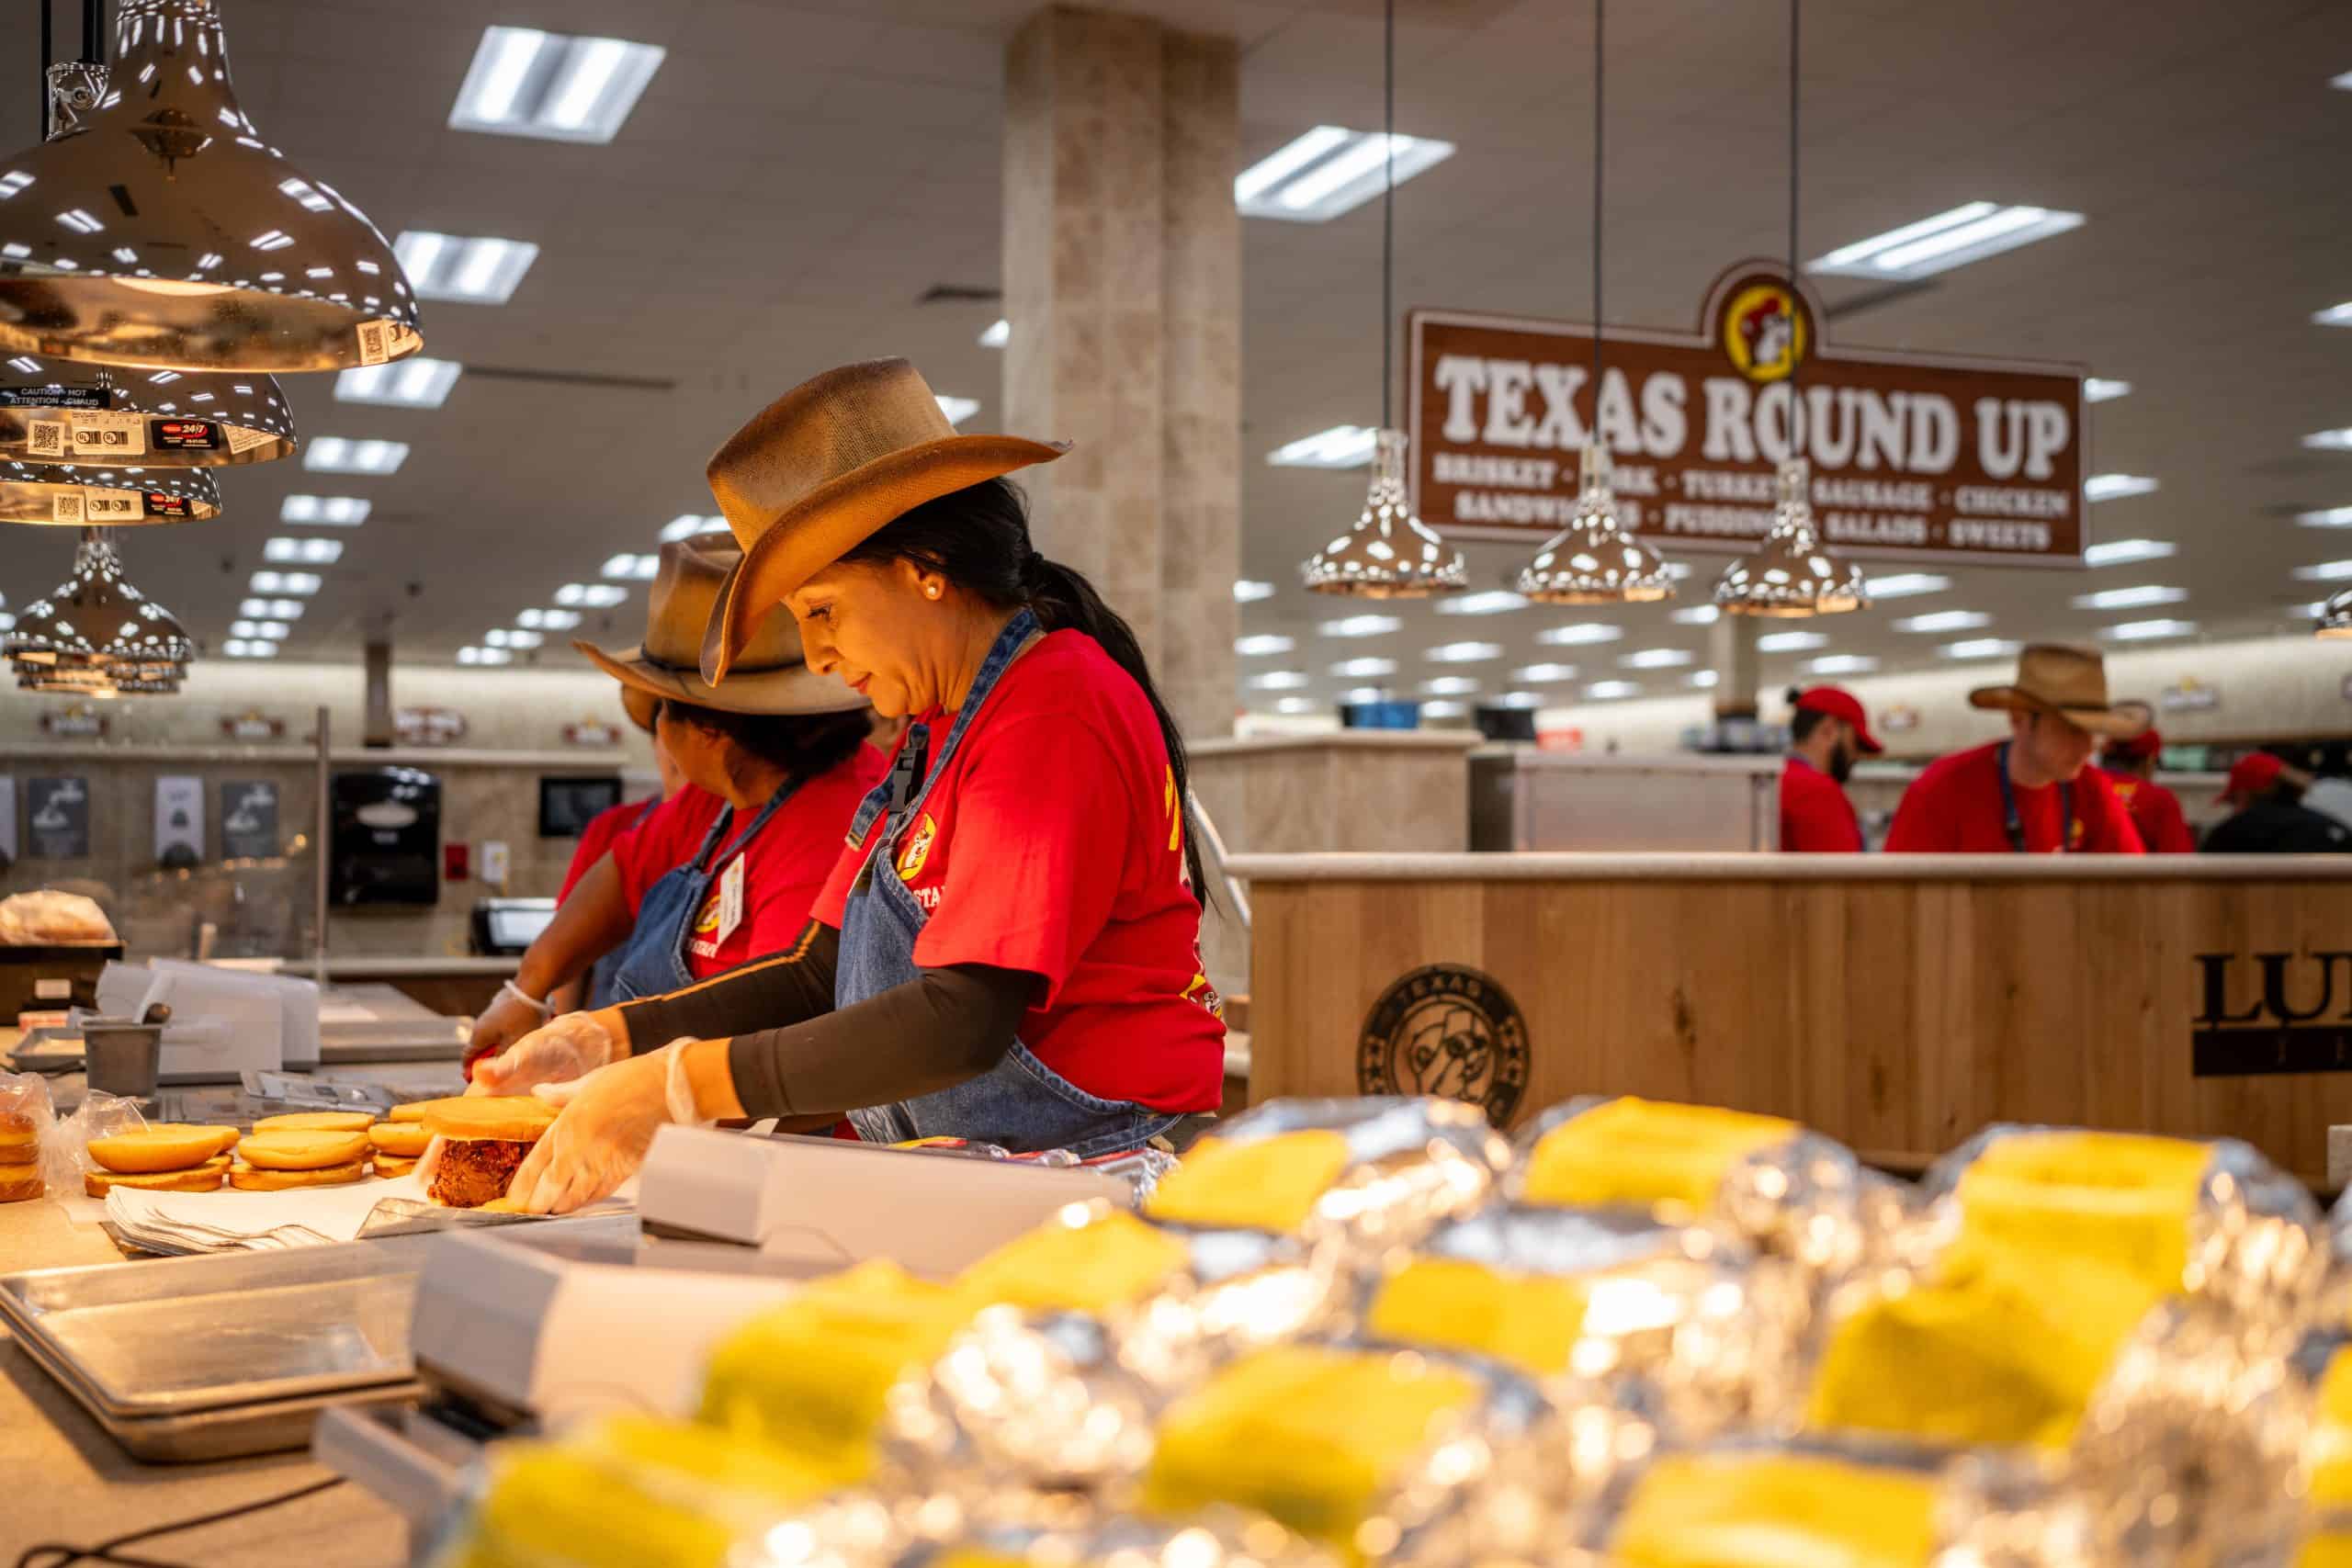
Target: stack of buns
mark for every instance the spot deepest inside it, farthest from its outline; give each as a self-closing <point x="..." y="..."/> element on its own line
<point x="19" y="1155"/>
<point x="168" y="1156"/>
<point x="303" y="1148"/>
<point x="397" y="1142"/>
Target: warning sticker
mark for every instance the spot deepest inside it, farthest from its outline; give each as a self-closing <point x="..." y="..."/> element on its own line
<point x="377" y="342"/>
<point x="244" y="437"/>
<point x="53" y="397"/>
<point x="99" y="435"/>
<point x="95" y="503"/>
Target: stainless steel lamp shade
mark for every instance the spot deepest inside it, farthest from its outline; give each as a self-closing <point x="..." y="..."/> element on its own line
<point x="1593" y="561"/>
<point x="1791" y="572"/>
<point x="1390" y="553"/>
<point x="53" y="410"/>
<point x="112" y="497"/>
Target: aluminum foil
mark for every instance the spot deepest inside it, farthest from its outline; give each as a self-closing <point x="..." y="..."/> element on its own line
<point x="1080" y="1534"/>
<point x="1716" y="1332"/>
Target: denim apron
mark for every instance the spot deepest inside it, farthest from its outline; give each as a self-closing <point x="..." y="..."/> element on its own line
<point x="600" y="974"/>
<point x="652" y="963"/>
<point x="1020" y="1103"/>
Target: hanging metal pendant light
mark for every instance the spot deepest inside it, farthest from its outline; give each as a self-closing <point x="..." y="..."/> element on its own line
<point x="1791" y="572"/>
<point x="2335" y="615"/>
<point x="160" y="231"/>
<point x="94" y="630"/>
<point x="1390" y="553"/>
<point x="53" y="410"/>
<point x="126" y="497"/>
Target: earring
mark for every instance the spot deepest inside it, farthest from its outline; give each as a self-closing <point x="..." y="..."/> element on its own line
<point x="931" y="589"/>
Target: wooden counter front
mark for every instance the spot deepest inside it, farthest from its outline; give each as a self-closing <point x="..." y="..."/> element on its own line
<point x="1897" y="1003"/>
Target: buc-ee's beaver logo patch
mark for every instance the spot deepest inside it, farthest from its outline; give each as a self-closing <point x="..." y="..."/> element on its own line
<point x="1445" y="1029"/>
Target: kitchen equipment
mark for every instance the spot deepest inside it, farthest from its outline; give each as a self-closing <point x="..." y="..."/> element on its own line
<point x="123" y="1056"/>
<point x="507" y="927"/>
<point x="222" y="1022"/>
<point x="384" y="846"/>
<point x="52" y="977"/>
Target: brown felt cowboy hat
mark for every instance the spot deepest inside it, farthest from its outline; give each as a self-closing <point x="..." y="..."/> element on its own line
<point x="826" y="465"/>
<point x="770" y="674"/>
<point x="2068" y="682"/>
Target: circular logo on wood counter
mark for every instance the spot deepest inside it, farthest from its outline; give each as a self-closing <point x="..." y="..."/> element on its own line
<point x="1445" y="1029"/>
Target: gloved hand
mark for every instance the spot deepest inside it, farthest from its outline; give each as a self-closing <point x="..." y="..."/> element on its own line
<point x="507" y="1019"/>
<point x="607" y="1122"/>
<point x="572" y="1046"/>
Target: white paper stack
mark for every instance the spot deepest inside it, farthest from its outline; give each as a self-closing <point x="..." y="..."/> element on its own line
<point x="234" y="1221"/>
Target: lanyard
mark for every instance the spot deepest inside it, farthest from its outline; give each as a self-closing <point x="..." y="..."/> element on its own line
<point x="2014" y="825"/>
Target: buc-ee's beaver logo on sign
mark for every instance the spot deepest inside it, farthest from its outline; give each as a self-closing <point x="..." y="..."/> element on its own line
<point x="1446" y="1030"/>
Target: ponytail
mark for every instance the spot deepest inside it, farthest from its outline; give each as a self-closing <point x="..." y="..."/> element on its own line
<point x="979" y="539"/>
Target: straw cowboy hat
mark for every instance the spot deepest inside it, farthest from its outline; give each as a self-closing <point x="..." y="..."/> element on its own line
<point x="2068" y="682"/>
<point x="770" y="674"/>
<point x="825" y="466"/>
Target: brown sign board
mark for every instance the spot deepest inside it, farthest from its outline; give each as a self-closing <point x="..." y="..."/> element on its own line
<point x="1915" y="457"/>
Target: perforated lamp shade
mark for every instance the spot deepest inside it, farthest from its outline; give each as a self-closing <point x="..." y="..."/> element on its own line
<point x="2335" y="615"/>
<point x="1593" y="561"/>
<point x="95" y="629"/>
<point x="163" y="232"/>
<point x="1791" y="572"/>
<point x="1390" y="553"/>
<point x="57" y="411"/>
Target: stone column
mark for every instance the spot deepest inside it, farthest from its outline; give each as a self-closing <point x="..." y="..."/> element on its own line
<point x="1739" y="667"/>
<point x="1123" y="285"/>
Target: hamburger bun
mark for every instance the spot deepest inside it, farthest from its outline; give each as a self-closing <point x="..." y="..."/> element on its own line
<point x="393" y="1166"/>
<point x="503" y="1206"/>
<point x="413" y="1111"/>
<point x="260" y="1178"/>
<point x="302" y="1150"/>
<point x="18" y="1135"/>
<point x="19" y="1182"/>
<point x="402" y="1140"/>
<point x="316" y="1121"/>
<point x="19" y="1155"/>
<point x="205" y="1178"/>
<point x="161" y="1147"/>
<point x="517" y="1119"/>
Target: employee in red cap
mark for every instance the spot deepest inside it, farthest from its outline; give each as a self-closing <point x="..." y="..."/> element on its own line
<point x="2271" y="818"/>
<point x="2035" y="792"/>
<point x="1826" y="733"/>
<point x="2130" y="764"/>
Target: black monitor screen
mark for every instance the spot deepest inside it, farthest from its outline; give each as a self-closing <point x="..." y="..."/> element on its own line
<point x="566" y="805"/>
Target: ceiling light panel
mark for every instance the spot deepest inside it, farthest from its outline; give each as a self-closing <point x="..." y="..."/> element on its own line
<point x="1297" y="704"/>
<point x="1791" y="642"/>
<point x="1579" y="636"/>
<point x="1449" y="685"/>
<point x="1249" y="592"/>
<point x="2325" y="571"/>
<point x="558" y="87"/>
<point x="1944" y="620"/>
<point x="1361" y="669"/>
<point x="2100" y="389"/>
<point x="1965" y="233"/>
<point x="271" y="609"/>
<point x="1262" y="643"/>
<point x="1363" y="694"/>
<point x="1981" y="648"/>
<point x="1656" y="658"/>
<point x="241" y="648"/>
<point x="414" y="383"/>
<point x="342" y="455"/>
<point x="499" y="636"/>
<point x="1463" y="652"/>
<point x="957" y="409"/>
<point x="2130" y="598"/>
<point x="997" y="333"/>
<point x="1278" y="681"/>
<point x="2330" y="440"/>
<point x="1342" y="446"/>
<point x="632" y="567"/>
<point x="464" y="269"/>
<point x="2111" y="487"/>
<point x="2117" y="552"/>
<point x="1695" y="616"/>
<point x="333" y="511"/>
<point x="1906" y="586"/>
<point x="1442" y="710"/>
<point x="2334" y="315"/>
<point x="594" y="595"/>
<point x="2326" y="517"/>
<point x="484" y="656"/>
<point x="303" y="552"/>
<point x="1329" y="170"/>
<point x="548" y="620"/>
<point x="1543" y="674"/>
<point x="1610" y="691"/>
<point x="1841" y="664"/>
<point x="1703" y="679"/>
<point x="1493" y="602"/>
<point x="303" y="582"/>
<point x="685" y="526"/>
<point x="2149" y="631"/>
<point x="1360" y="626"/>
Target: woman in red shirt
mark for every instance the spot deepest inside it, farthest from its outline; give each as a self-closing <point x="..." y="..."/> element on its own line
<point x="1008" y="950"/>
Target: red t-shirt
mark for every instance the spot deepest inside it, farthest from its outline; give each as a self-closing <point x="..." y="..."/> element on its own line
<point x="2155" y="812"/>
<point x="783" y="868"/>
<point x="1051" y="842"/>
<point x="1954" y="807"/>
<point x="596" y="837"/>
<point x="1816" y="816"/>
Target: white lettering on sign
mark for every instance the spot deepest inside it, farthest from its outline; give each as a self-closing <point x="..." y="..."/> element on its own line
<point x="1985" y="533"/>
<point x="1506" y="384"/>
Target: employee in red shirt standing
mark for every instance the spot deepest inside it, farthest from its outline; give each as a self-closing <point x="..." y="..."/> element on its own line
<point x="2129" y="766"/>
<point x="2033" y="793"/>
<point x="1826" y="733"/>
<point x="1009" y="949"/>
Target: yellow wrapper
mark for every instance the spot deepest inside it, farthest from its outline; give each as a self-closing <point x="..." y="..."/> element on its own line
<point x="2122" y="1199"/>
<point x="2331" y="1549"/>
<point x="1268" y="1184"/>
<point x="2328" y="1450"/>
<point x="1634" y="1151"/>
<point x="1313" y="1435"/>
<point x="1774" y="1510"/>
<point x="1531" y="1321"/>
<point x="1114" y="1260"/>
<point x="814" y="1375"/>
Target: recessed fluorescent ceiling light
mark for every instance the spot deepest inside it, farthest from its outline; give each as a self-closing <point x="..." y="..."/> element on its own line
<point x="1944" y="620"/>
<point x="1442" y="710"/>
<point x="308" y="552"/>
<point x="554" y="85"/>
<point x="1493" y="602"/>
<point x="1656" y="658"/>
<point x="2327" y="518"/>
<point x="1248" y="593"/>
<point x="551" y="620"/>
<point x="1359" y="626"/>
<point x="484" y="656"/>
<point x="1791" y="642"/>
<point x="1695" y="616"/>
<point x="1262" y="642"/>
<point x="2327" y="572"/>
<point x="687" y="525"/>
<point x="272" y="609"/>
<point x="407" y="383"/>
<point x="1905" y="585"/>
<point x="1463" y="652"/>
<point x="596" y="596"/>
<point x="1330" y="170"/>
<point x="340" y="454"/>
<point x="466" y="269"/>
<point x="1279" y="680"/>
<point x="1515" y="700"/>
<point x="2334" y="315"/>
<point x="1357" y="669"/>
<point x="1449" y="685"/>
<point x="2115" y="552"/>
<point x="1578" y="635"/>
<point x="2146" y="631"/>
<point x="238" y="648"/>
<point x="1702" y="678"/>
<point x="1966" y="234"/>
<point x="1841" y="664"/>
<point x="632" y="569"/>
<point x="1607" y="691"/>
<point x="284" y="582"/>
<point x="272" y="629"/>
<point x="1342" y="446"/>
<point x="1980" y="648"/>
<point x="337" y="511"/>
<point x="957" y="409"/>
<point x="2108" y="487"/>
<point x="2330" y="440"/>
<point x="1363" y="694"/>
<point x="1297" y="704"/>
<point x="1543" y="675"/>
<point x="2130" y="598"/>
<point x="2312" y="611"/>
<point x="2099" y="389"/>
<point x="997" y="334"/>
<point x="499" y="636"/>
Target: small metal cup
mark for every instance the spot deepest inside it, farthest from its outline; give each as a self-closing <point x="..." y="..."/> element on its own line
<point x="123" y="1059"/>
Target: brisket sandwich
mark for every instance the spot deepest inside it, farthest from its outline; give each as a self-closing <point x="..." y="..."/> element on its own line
<point x="484" y="1141"/>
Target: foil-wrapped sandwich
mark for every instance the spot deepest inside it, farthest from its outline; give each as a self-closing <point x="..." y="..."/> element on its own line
<point x="1088" y="1536"/>
<point x="1574" y="1297"/>
<point x="1789" y="1192"/>
<point x="1364" y="1173"/>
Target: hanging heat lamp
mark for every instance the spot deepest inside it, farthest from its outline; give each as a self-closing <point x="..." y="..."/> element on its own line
<point x="2335" y="615"/>
<point x="1593" y="561"/>
<point x="55" y="410"/>
<point x="160" y="231"/>
<point x="95" y="630"/>
<point x="1793" y="571"/>
<point x="1390" y="553"/>
<point x="125" y="497"/>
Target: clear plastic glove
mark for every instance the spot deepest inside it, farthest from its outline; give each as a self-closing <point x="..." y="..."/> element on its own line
<point x="569" y="1047"/>
<point x="507" y="1019"/>
<point x="607" y="1122"/>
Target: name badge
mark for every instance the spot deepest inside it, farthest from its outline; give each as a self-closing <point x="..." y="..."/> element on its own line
<point x="731" y="900"/>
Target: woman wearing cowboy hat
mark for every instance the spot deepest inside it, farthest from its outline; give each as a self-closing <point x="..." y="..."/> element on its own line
<point x="1008" y="948"/>
<point x="724" y="870"/>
